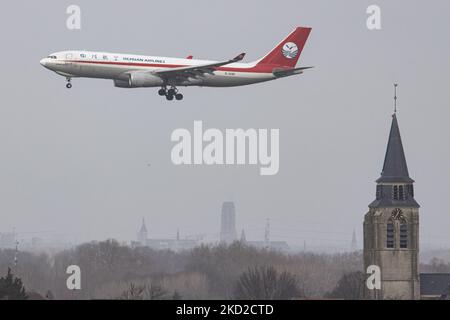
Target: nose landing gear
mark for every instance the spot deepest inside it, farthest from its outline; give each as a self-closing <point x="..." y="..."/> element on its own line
<point x="69" y="84"/>
<point x="171" y="94"/>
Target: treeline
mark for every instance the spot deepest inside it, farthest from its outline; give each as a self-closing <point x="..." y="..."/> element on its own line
<point x="435" y="266"/>
<point x="113" y="271"/>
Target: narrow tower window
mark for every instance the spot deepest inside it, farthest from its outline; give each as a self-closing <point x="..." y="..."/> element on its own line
<point x="379" y="192"/>
<point x="411" y="190"/>
<point x="390" y="235"/>
<point x="401" y="193"/>
<point x="395" y="192"/>
<point x="403" y="235"/>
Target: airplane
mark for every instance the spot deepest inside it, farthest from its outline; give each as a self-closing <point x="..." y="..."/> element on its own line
<point x="135" y="71"/>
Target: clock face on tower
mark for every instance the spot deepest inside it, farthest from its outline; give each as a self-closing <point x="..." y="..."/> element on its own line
<point x="397" y="214"/>
<point x="290" y="50"/>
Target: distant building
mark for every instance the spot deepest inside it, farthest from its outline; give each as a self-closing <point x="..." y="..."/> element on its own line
<point x="171" y="244"/>
<point x="7" y="240"/>
<point x="243" y="237"/>
<point x="176" y="244"/>
<point x="266" y="243"/>
<point x="37" y="242"/>
<point x="142" y="235"/>
<point x="271" y="245"/>
<point x="228" y="232"/>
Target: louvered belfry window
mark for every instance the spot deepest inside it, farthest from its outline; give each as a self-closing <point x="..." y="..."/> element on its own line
<point x="403" y="235"/>
<point x="398" y="193"/>
<point x="390" y="235"/>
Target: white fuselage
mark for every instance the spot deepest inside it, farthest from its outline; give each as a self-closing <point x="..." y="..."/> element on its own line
<point x="118" y="67"/>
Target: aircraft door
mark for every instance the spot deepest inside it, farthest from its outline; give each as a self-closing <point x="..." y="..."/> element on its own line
<point x="65" y="63"/>
<point x="68" y="59"/>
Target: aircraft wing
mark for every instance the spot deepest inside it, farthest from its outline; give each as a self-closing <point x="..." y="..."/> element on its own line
<point x="193" y="71"/>
<point x="282" y="72"/>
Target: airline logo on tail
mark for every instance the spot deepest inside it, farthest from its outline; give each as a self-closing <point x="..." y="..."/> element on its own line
<point x="287" y="53"/>
<point x="290" y="50"/>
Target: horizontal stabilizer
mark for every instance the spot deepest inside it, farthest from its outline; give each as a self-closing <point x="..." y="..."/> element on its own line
<point x="286" y="72"/>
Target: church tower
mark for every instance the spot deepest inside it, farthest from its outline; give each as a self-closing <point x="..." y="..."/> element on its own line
<point x="391" y="227"/>
<point x="228" y="232"/>
<point x="142" y="234"/>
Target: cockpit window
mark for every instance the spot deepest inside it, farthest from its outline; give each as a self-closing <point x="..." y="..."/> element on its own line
<point x="52" y="57"/>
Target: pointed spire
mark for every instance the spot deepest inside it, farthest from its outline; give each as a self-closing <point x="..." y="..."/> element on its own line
<point x="395" y="187"/>
<point x="267" y="231"/>
<point x="354" y="245"/>
<point x="395" y="97"/>
<point x="395" y="168"/>
<point x="143" y="227"/>
<point x="142" y="234"/>
<point x="243" y="237"/>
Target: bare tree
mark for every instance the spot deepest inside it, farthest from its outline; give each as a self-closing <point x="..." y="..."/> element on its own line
<point x="349" y="287"/>
<point x="265" y="283"/>
<point x="144" y="292"/>
<point x="11" y="288"/>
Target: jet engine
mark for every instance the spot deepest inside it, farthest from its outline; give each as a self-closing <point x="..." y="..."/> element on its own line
<point x="139" y="80"/>
<point x="122" y="84"/>
<point x="144" y="79"/>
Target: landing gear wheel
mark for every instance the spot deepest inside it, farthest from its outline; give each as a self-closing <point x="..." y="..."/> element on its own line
<point x="172" y="92"/>
<point x="169" y="97"/>
<point x="162" y="92"/>
<point x="179" y="96"/>
<point x="69" y="86"/>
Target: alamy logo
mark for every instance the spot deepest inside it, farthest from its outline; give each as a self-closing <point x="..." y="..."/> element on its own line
<point x="373" y="282"/>
<point x="213" y="147"/>
<point x="290" y="50"/>
<point x="74" y="20"/>
<point x="74" y="280"/>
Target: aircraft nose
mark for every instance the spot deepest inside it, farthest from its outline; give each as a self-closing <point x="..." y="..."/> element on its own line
<point x="43" y="62"/>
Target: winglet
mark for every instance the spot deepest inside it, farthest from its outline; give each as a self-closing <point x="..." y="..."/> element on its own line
<point x="239" y="57"/>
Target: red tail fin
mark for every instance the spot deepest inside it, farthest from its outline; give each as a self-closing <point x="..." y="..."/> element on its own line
<point x="288" y="52"/>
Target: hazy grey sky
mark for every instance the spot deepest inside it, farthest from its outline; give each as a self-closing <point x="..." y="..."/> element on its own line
<point x="77" y="161"/>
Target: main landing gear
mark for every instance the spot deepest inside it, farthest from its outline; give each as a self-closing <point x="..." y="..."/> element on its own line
<point x="171" y="94"/>
<point x="69" y="84"/>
